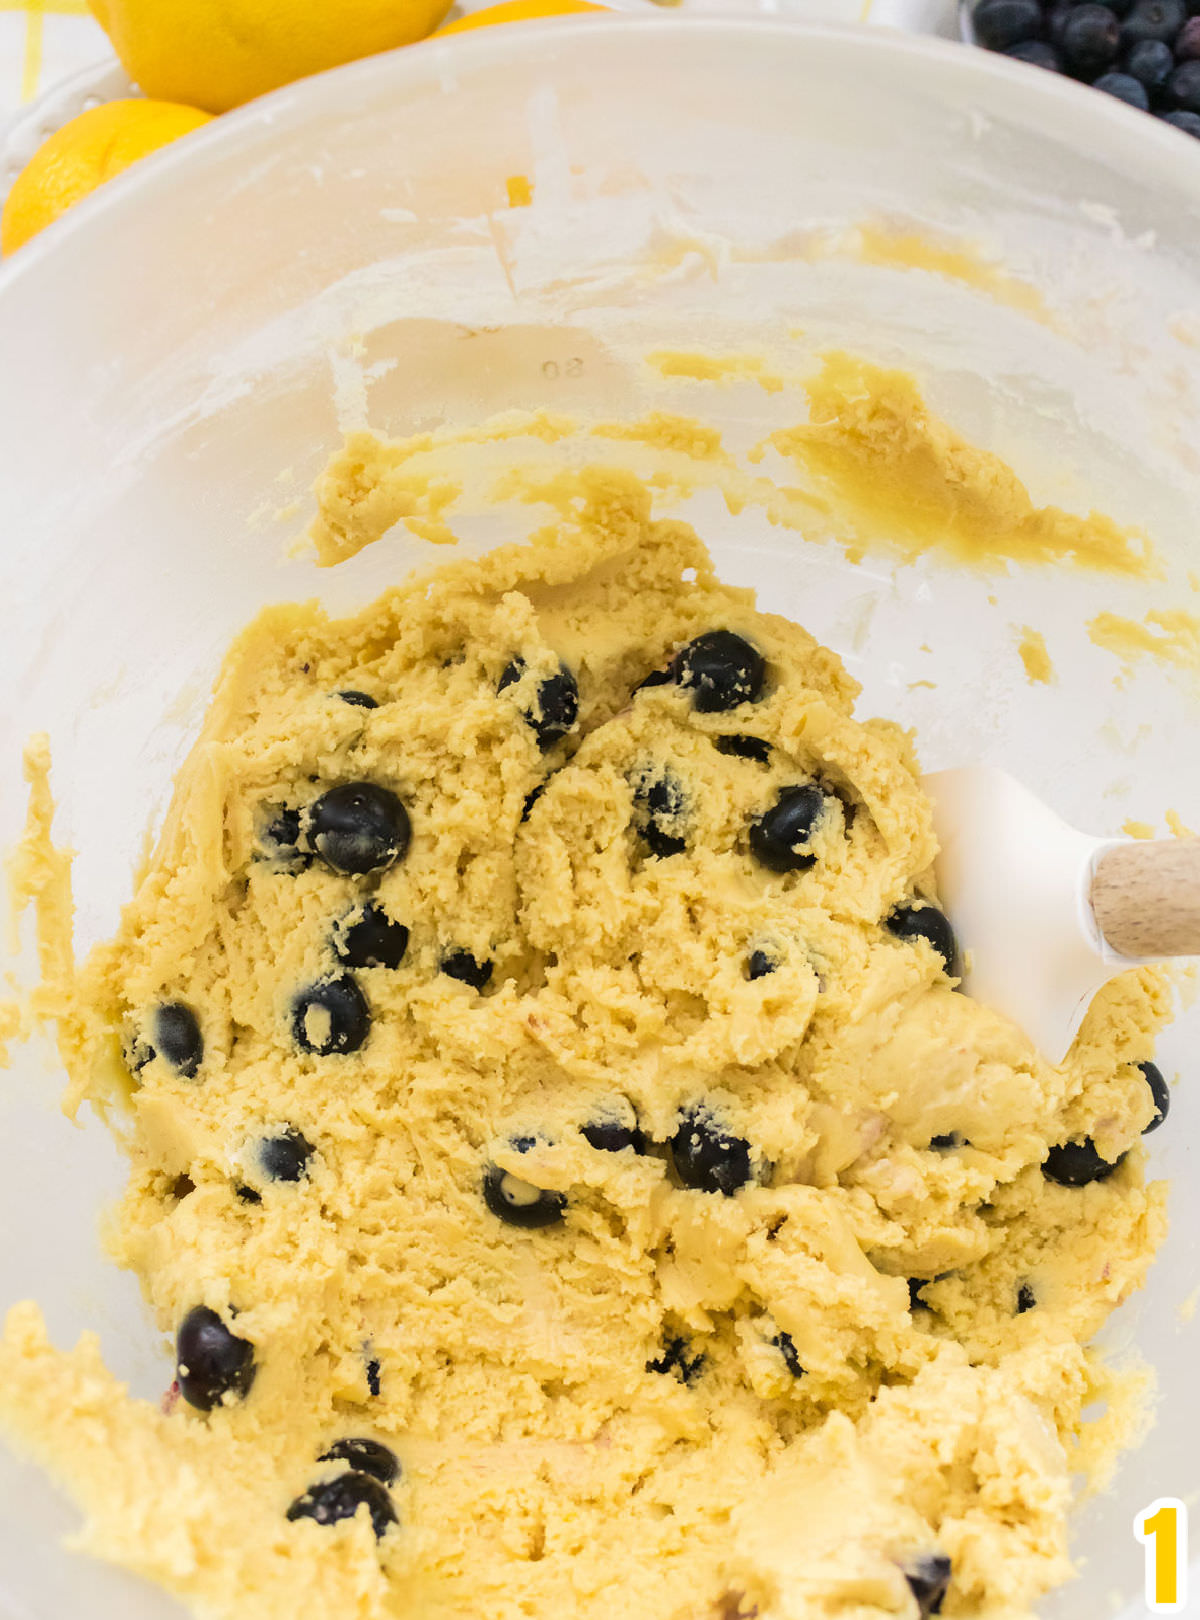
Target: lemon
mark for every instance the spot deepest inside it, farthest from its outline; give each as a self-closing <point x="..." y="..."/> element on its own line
<point x="83" y="155"/>
<point x="517" y="11"/>
<point x="218" y="53"/>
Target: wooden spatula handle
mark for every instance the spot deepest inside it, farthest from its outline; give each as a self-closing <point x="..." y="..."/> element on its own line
<point x="1146" y="897"/>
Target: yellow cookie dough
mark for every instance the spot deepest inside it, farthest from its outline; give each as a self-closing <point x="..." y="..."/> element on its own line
<point x="806" y="1396"/>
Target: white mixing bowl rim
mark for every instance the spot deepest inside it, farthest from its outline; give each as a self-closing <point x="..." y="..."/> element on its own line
<point x="1041" y="99"/>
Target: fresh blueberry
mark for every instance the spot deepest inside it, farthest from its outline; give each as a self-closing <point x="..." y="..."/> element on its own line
<point x="365" y="1457"/>
<point x="285" y="1157"/>
<point x="1091" y="38"/>
<point x="280" y="837"/>
<point x="707" y="1157"/>
<point x="520" y="1203"/>
<point x="659" y="814"/>
<point x="1188" y="122"/>
<point x="341" y="1498"/>
<point x="359" y="827"/>
<point x="1037" y="53"/>
<point x="1160" y="1093"/>
<point x="461" y="965"/>
<point x="923" y="921"/>
<point x="721" y="669"/>
<point x="555" y="708"/>
<point x="1151" y="63"/>
<point x="359" y="700"/>
<point x="1120" y="7"/>
<point x="331" y="1016"/>
<point x="779" y="838"/>
<point x="675" y="1359"/>
<point x="759" y="963"/>
<point x="742" y="747"/>
<point x="1125" y="88"/>
<point x="1153" y="19"/>
<point x="1001" y="23"/>
<point x="1074" y="1164"/>
<point x="1056" y="21"/>
<point x="367" y="937"/>
<point x="1187" y="45"/>
<point x="211" y="1362"/>
<point x="1026" y="1299"/>
<point x="1183" y="87"/>
<point x="928" y="1578"/>
<point x="177" y="1037"/>
<point x="374" y="1376"/>
<point x="612" y="1134"/>
<point x="787" y="1349"/>
<point x="952" y="1139"/>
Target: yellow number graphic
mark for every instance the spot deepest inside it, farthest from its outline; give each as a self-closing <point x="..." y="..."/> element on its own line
<point x="1162" y="1529"/>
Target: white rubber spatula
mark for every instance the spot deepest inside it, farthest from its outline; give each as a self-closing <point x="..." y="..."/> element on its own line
<point x="1044" y="914"/>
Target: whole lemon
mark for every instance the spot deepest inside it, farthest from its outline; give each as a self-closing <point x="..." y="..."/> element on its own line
<point x="517" y="11"/>
<point x="83" y="154"/>
<point x="218" y="53"/>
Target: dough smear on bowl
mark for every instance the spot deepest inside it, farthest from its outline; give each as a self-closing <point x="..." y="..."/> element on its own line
<point x="558" y="1148"/>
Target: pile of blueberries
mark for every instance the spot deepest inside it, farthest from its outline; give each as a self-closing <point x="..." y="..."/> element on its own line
<point x="1144" y="52"/>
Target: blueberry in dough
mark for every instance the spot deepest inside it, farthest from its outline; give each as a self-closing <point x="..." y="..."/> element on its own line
<point x="247" y="1195"/>
<point x="531" y="798"/>
<point x="520" y="1203"/>
<point x="915" y="1285"/>
<point x="211" y="1362"/>
<point x="280" y="836"/>
<point x="658" y="813"/>
<point x="759" y="963"/>
<point x="374" y="1376"/>
<point x="720" y="669"/>
<point x="285" y="1157"/>
<point x="341" y="1498"/>
<point x="330" y="1017"/>
<point x="358" y="828"/>
<point x="367" y="937"/>
<point x="176" y="1037"/>
<point x="779" y="838"/>
<point x="739" y="747"/>
<point x="555" y="708"/>
<point x="359" y="700"/>
<point x="1075" y="1164"/>
<point x="786" y="1346"/>
<point x="464" y="967"/>
<point x="923" y="921"/>
<point x="658" y="677"/>
<point x="707" y="1157"/>
<point x="1160" y="1093"/>
<point x="365" y="1457"/>
<point x="613" y="1135"/>
<point x="928" y="1578"/>
<point x="951" y="1139"/>
<point x="1026" y="1299"/>
<point x="675" y="1359"/>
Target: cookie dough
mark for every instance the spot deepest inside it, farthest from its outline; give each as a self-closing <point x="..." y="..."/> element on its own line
<point x="558" y="1150"/>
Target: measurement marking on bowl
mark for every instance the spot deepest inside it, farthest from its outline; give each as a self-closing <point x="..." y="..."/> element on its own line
<point x="1162" y="1528"/>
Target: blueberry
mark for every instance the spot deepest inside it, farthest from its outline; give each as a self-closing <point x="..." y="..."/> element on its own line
<point x="531" y="798"/>
<point x="675" y="1359"/>
<point x="1151" y="63"/>
<point x="331" y="1016"/>
<point x="1183" y="87"/>
<point x="1160" y="1093"/>
<point x="1037" y="53"/>
<point x="741" y="747"/>
<point x="1187" y="45"/>
<point x="359" y="700"/>
<point x="1091" y="38"/>
<point x="952" y="1139"/>
<point x="1056" y="21"/>
<point x="915" y="1285"/>
<point x="1026" y="1299"/>
<point x="177" y="1037"/>
<point x="1074" y="1164"/>
<point x="520" y="1203"/>
<point x="341" y="1498"/>
<point x="211" y="1362"/>
<point x="1125" y="88"/>
<point x="659" y="814"/>
<point x="280" y="836"/>
<point x="923" y="921"/>
<point x="612" y="1135"/>
<point x="365" y="1457"/>
<point x="928" y="1578"/>
<point x="779" y="837"/>
<point x="658" y="677"/>
<point x="247" y="1195"/>
<point x="1188" y="122"/>
<point x="461" y="965"/>
<point x="555" y="708"/>
<point x="709" y="1158"/>
<point x="1153" y="19"/>
<point x="1001" y="23"/>
<point x="759" y="963"/>
<point x="722" y="669"/>
<point x="374" y="1379"/>
<point x="786" y="1346"/>
<point x="359" y="827"/>
<point x="367" y="937"/>
<point x="285" y="1157"/>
